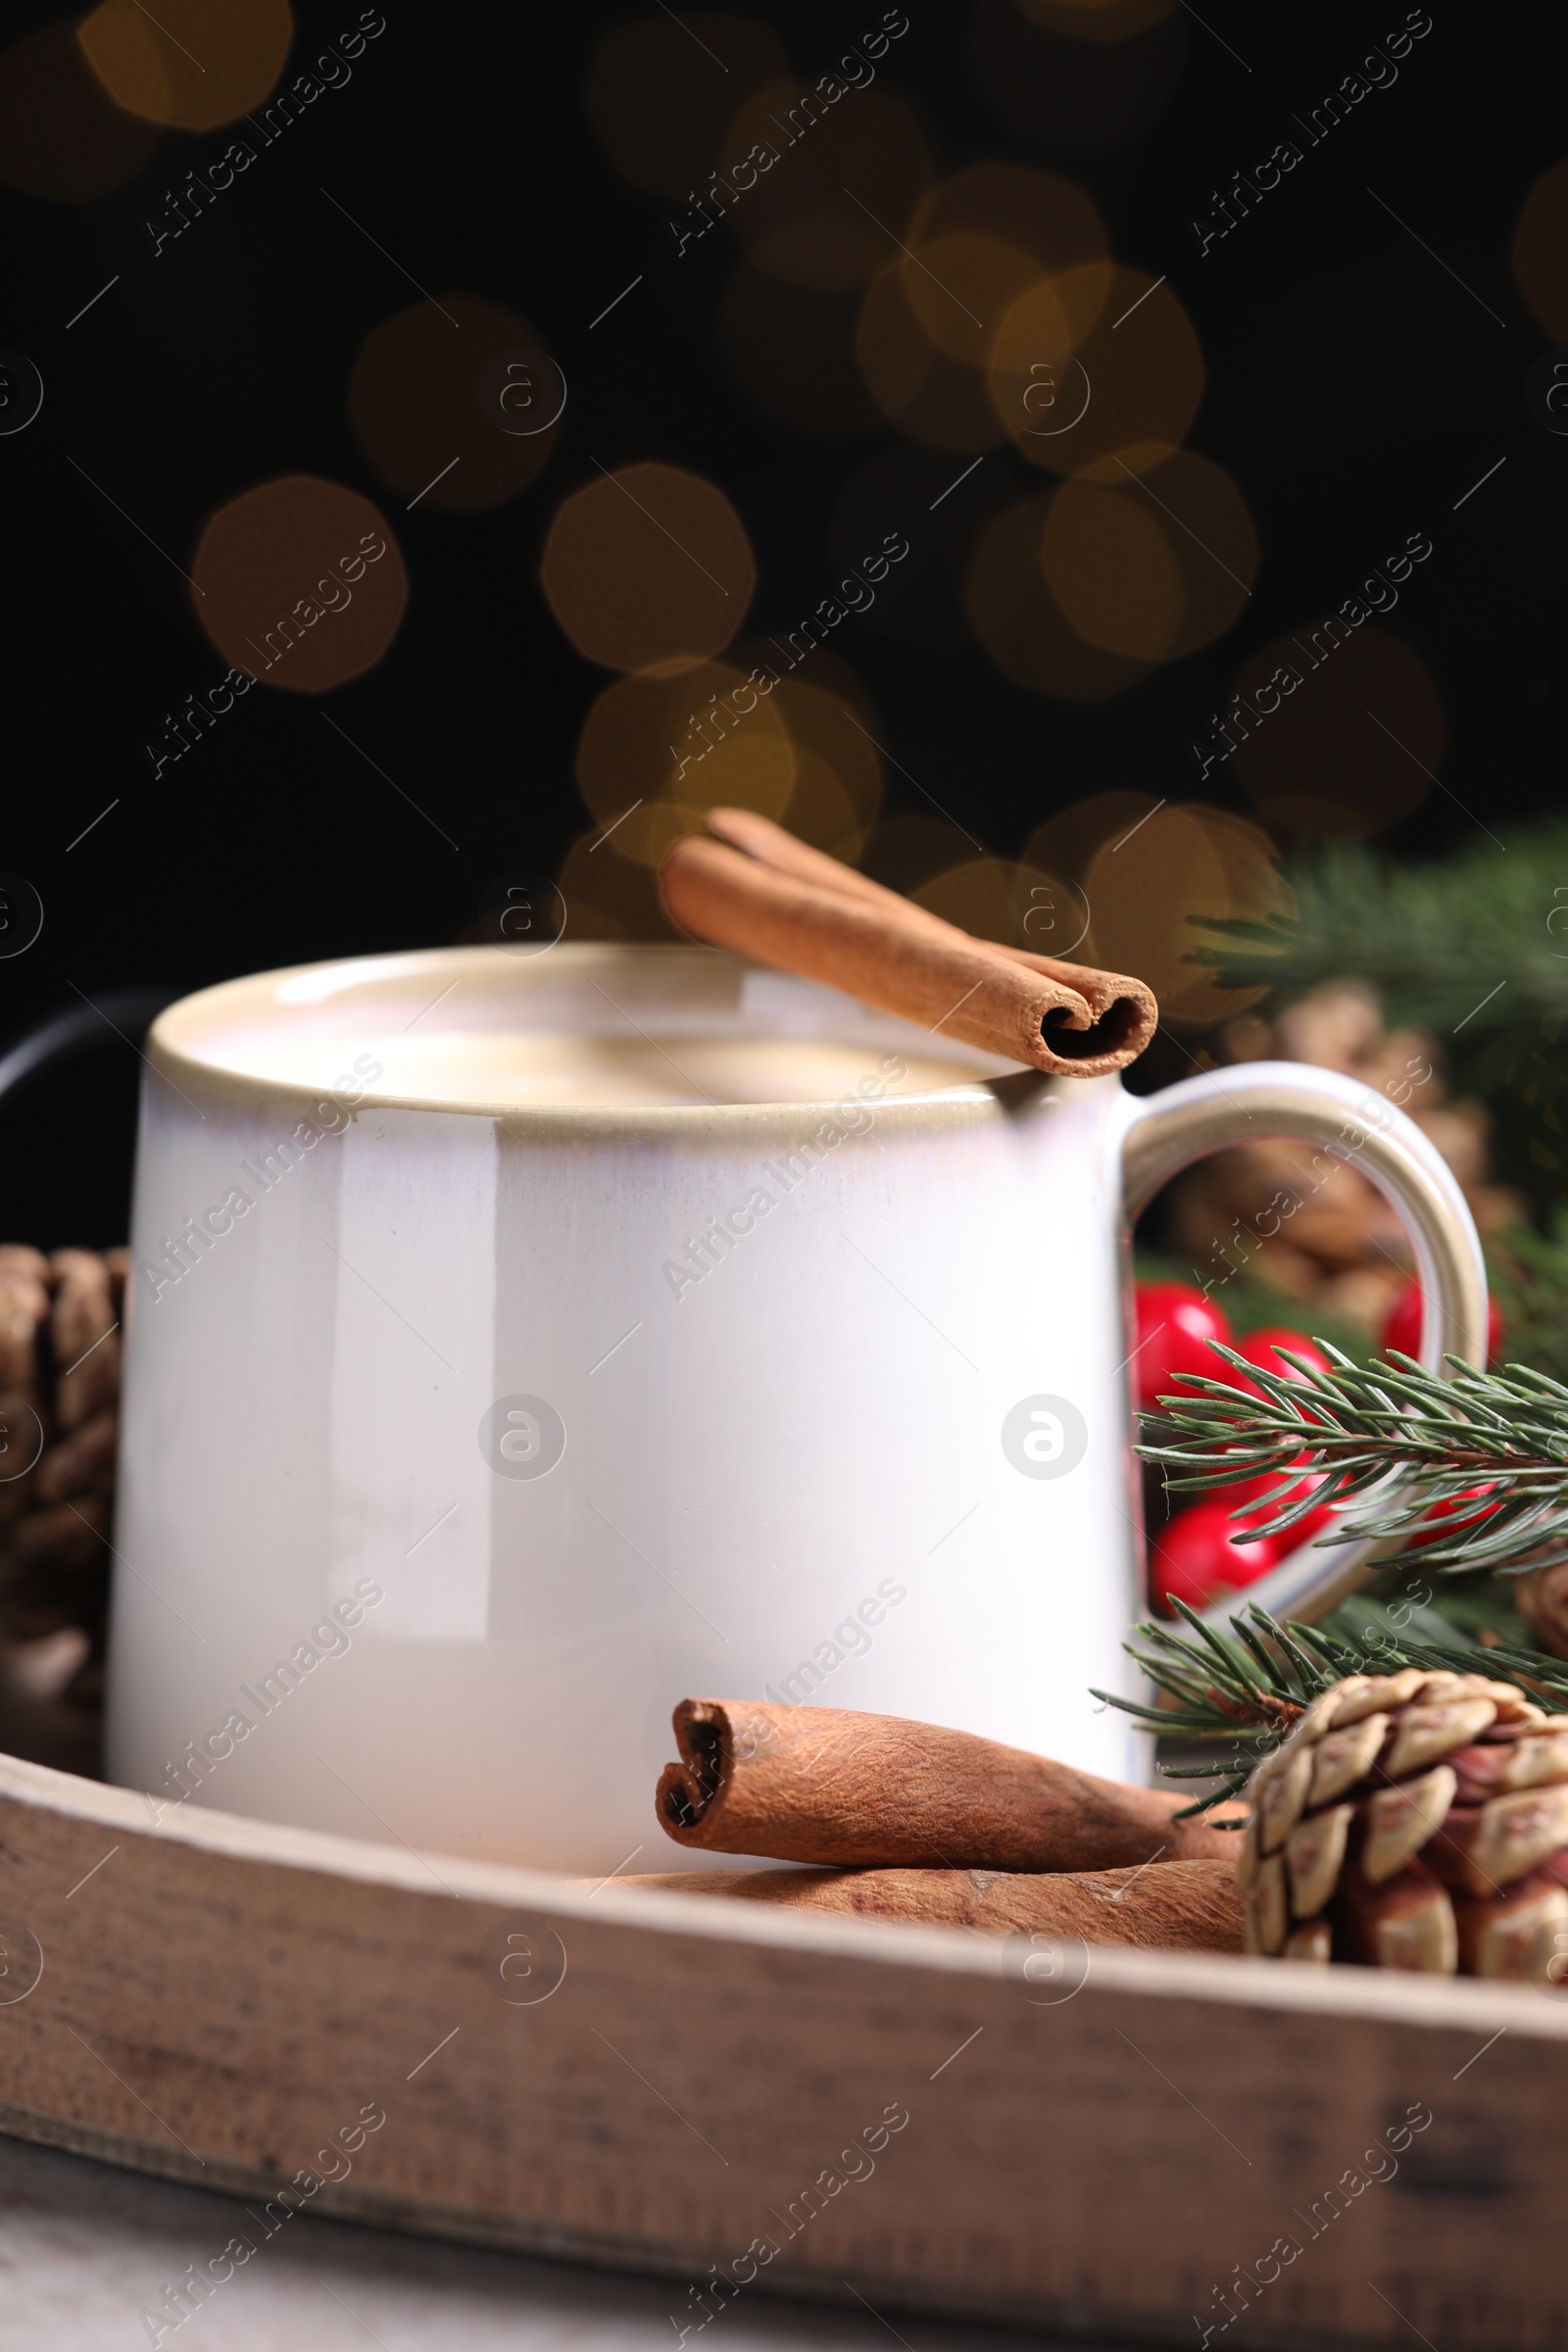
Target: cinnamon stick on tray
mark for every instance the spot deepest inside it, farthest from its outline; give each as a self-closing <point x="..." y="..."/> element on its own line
<point x="1162" y="1906"/>
<point x="826" y="1785"/>
<point x="756" y="889"/>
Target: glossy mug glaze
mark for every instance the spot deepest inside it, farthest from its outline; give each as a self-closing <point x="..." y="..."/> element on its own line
<point x="505" y="1361"/>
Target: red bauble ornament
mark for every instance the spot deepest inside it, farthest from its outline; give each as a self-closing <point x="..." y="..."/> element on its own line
<point x="1196" y="1556"/>
<point x="1452" y="1507"/>
<point x="1175" y="1323"/>
<point x="1300" y="1531"/>
<point x="1274" y="1487"/>
<point x="1261" y="1347"/>
<point x="1271" y="1491"/>
<point x="1401" y="1328"/>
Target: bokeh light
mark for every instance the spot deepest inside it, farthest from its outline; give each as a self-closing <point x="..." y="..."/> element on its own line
<point x="1352" y="747"/>
<point x="821" y="810"/>
<point x="191" y="65"/>
<point x="1145" y="888"/>
<point x="610" y="895"/>
<point x="61" y="135"/>
<point x="1022" y="906"/>
<point x="648" y="830"/>
<point x="647" y="568"/>
<point x="1048" y="218"/>
<point x="958" y="282"/>
<point x="1540" y="252"/>
<point x="1154" y="565"/>
<point x="657" y="753"/>
<point x="1066" y="841"/>
<point x="1018" y="620"/>
<point x="834" y="730"/>
<point x="704" y="738"/>
<point x="980" y="245"/>
<point x="926" y="394"/>
<point x="1112" y="571"/>
<point x="661" y="106"/>
<point x="424" y="401"/>
<point x="1040" y="387"/>
<point x="1133" y="345"/>
<point x="829" y="210"/>
<point x="1079" y="593"/>
<point x="299" y="583"/>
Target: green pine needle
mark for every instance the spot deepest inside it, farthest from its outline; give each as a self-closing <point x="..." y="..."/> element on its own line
<point x="1471" y="948"/>
<point x="1419" y="931"/>
<point x="1391" y="1433"/>
<point x="1526" y="1273"/>
<point x="1249" y="1687"/>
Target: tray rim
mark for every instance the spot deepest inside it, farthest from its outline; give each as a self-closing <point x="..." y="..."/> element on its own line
<point x="317" y="1956"/>
<point x="1336" y="1990"/>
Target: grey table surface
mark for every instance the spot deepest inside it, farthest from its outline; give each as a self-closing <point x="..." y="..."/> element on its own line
<point x="85" y="2248"/>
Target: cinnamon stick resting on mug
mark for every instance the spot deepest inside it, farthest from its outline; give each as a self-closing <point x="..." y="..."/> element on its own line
<point x="875" y="1792"/>
<point x="1161" y="1906"/>
<point x="756" y="889"/>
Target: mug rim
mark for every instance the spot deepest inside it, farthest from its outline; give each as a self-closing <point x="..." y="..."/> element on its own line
<point x="172" y="1044"/>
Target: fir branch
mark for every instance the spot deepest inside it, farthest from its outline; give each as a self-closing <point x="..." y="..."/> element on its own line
<point x="1474" y="947"/>
<point x="1526" y="1273"/>
<point x="1249" y="1688"/>
<point x="1421" y="933"/>
<point x="1396" y="1434"/>
<point x="1470" y="948"/>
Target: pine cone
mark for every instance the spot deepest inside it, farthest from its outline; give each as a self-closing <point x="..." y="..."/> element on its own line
<point x="59" y="1426"/>
<point x="1542" y="1599"/>
<point x="1341" y="1247"/>
<point x="1415" y="1821"/>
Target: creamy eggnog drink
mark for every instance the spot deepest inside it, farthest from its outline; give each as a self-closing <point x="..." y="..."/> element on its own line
<point x="525" y="1067"/>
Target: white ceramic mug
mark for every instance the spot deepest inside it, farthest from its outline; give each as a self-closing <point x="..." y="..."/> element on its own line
<point x="465" y="1437"/>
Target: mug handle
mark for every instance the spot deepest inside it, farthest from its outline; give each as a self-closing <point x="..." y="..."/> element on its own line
<point x="1253" y="1101"/>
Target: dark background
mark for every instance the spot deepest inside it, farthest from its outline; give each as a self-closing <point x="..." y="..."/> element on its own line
<point x="1355" y="391"/>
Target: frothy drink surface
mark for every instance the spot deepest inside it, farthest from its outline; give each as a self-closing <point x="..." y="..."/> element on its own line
<point x="533" y="1067"/>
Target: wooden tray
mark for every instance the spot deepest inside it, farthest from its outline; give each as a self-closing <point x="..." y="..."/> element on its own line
<point x="233" y="2004"/>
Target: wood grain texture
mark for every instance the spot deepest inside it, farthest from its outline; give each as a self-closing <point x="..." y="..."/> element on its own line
<point x="222" y="2001"/>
